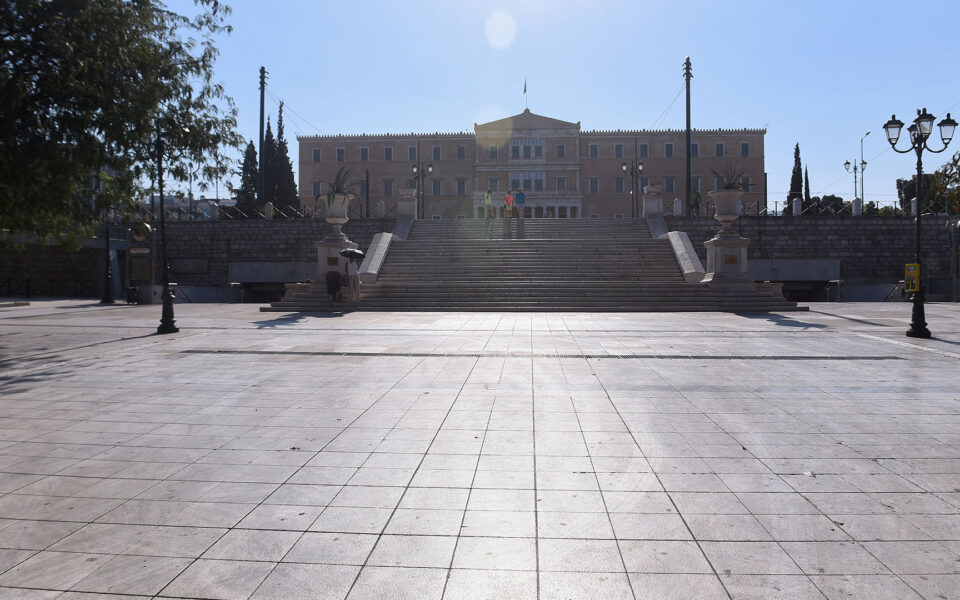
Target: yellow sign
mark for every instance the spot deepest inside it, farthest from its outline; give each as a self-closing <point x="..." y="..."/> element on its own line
<point x="911" y="278"/>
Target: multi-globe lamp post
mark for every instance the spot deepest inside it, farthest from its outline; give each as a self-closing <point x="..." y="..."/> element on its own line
<point x="634" y="168"/>
<point x="920" y="131"/>
<point x="420" y="172"/>
<point x="167" y="321"/>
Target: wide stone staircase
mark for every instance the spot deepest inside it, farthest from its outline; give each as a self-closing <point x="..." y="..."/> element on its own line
<point x="538" y="265"/>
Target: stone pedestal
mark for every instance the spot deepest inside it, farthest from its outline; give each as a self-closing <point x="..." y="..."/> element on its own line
<point x="727" y="259"/>
<point x="652" y="201"/>
<point x="329" y="259"/>
<point x="407" y="206"/>
<point x="857" y="207"/>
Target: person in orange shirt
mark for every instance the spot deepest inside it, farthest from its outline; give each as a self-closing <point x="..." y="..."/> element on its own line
<point x="508" y="205"/>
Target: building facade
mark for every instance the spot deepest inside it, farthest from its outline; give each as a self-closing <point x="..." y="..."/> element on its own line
<point x="565" y="172"/>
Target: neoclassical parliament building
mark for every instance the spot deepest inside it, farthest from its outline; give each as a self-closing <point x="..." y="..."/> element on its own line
<point x="565" y="172"/>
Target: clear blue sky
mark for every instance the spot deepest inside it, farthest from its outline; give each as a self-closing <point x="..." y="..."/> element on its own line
<point x="821" y="73"/>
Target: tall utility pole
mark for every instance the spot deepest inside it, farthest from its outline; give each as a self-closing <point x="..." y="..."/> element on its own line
<point x="688" y="75"/>
<point x="263" y="87"/>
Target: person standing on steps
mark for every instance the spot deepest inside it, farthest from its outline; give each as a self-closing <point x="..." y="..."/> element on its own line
<point x="521" y="199"/>
<point x="507" y="204"/>
<point x="488" y="204"/>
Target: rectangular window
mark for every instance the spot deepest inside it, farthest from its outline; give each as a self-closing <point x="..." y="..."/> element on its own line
<point x="594" y="185"/>
<point x="461" y="186"/>
<point x="561" y="184"/>
<point x="527" y="180"/>
<point x="340" y="154"/>
<point x="561" y="150"/>
<point x="435" y="217"/>
<point x="717" y="183"/>
<point x="668" y="150"/>
<point x="515" y="150"/>
<point x="461" y="153"/>
<point x="719" y="151"/>
<point x="618" y="150"/>
<point x="644" y="182"/>
<point x="618" y="185"/>
<point x="670" y="184"/>
<point x="745" y="149"/>
<point x="387" y="187"/>
<point x="411" y="184"/>
<point x="527" y="150"/>
<point x="388" y="154"/>
<point x="493" y="152"/>
<point x="694" y="150"/>
<point x="538" y="149"/>
<point x="364" y="154"/>
<point x="745" y="182"/>
<point x="437" y="187"/>
<point x="436" y="153"/>
<point x="538" y="182"/>
<point x="411" y="153"/>
<point x="363" y="189"/>
<point x="644" y="150"/>
<point x="695" y="184"/>
<point x="317" y="188"/>
<point x="316" y="155"/>
<point x="593" y="151"/>
<point x="515" y="181"/>
<point x="493" y="184"/>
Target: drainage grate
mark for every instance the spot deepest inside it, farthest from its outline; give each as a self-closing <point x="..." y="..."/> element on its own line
<point x="540" y="355"/>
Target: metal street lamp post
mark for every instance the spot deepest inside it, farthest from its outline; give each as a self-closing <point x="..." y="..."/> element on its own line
<point x="107" y="297"/>
<point x="863" y="167"/>
<point x="633" y="168"/>
<point x="420" y="172"/>
<point x="167" y="322"/>
<point x="920" y="132"/>
<point x="855" y="170"/>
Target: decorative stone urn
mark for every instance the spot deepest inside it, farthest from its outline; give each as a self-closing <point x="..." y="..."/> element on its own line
<point x="727" y="251"/>
<point x="337" y="206"/>
<point x="727" y="209"/>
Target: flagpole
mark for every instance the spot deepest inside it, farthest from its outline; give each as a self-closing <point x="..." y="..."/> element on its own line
<point x="526" y="105"/>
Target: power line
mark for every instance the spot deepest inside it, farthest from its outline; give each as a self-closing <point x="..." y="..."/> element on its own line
<point x="296" y="114"/>
<point x="663" y="115"/>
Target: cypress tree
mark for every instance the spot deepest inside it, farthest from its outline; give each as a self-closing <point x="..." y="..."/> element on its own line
<point x="268" y="160"/>
<point x="247" y="194"/>
<point x="807" y="201"/>
<point x="286" y="188"/>
<point x="796" y="181"/>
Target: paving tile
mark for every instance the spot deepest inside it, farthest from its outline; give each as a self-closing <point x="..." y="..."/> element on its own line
<point x="662" y="556"/>
<point x="471" y="584"/>
<point x="499" y="523"/>
<point x="749" y="558"/>
<point x="413" y="551"/>
<point x="585" y="586"/>
<point x="662" y="586"/>
<point x="307" y="582"/>
<point x="142" y="575"/>
<point x="771" y="587"/>
<point x="399" y="583"/>
<point x="343" y="519"/>
<point x="53" y="570"/>
<point x="414" y="521"/>
<point x="332" y="548"/>
<point x="252" y="544"/>
<point x="580" y="555"/>
<point x="224" y="579"/>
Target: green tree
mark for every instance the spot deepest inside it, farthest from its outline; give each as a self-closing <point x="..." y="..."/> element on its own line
<point x="247" y="194"/>
<point x="84" y="88"/>
<point x="948" y="183"/>
<point x="831" y="205"/>
<point x="806" y="188"/>
<point x="796" y="182"/>
<point x="268" y="161"/>
<point x="931" y="200"/>
<point x="286" y="189"/>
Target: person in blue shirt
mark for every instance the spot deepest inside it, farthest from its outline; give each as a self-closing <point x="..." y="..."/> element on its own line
<point x="521" y="199"/>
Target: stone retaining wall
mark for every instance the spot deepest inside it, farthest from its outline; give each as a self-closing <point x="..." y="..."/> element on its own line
<point x="871" y="249"/>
